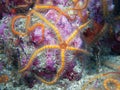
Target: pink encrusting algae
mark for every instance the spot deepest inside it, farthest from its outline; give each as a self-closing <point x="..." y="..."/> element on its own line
<point x="59" y="41"/>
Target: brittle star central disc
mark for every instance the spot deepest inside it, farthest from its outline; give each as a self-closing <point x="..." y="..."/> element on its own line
<point x="63" y="45"/>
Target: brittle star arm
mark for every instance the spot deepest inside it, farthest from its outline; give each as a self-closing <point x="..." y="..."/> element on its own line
<point x="13" y="26"/>
<point x="77" y="6"/>
<point x="61" y="69"/>
<point x="110" y="80"/>
<point x="77" y="49"/>
<point x="97" y="77"/>
<point x="34" y="26"/>
<point x="75" y="1"/>
<point x="52" y="7"/>
<point x="48" y="23"/>
<point x="30" y="29"/>
<point x="84" y="5"/>
<point x="35" y="54"/>
<point x="76" y="32"/>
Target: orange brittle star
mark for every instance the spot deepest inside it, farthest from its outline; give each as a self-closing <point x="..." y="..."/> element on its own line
<point x="62" y="46"/>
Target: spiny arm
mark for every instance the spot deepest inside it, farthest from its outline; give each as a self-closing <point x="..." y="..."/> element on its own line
<point x="52" y="7"/>
<point x="76" y="32"/>
<point x="59" y="71"/>
<point x="84" y="5"/>
<point x="111" y="80"/>
<point x="35" y="54"/>
<point x="48" y="23"/>
<point x="78" y="49"/>
<point x="97" y="77"/>
<point x="13" y="26"/>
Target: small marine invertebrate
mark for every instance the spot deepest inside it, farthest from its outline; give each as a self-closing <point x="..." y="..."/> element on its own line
<point x="63" y="46"/>
<point x="4" y="78"/>
<point x="111" y="80"/>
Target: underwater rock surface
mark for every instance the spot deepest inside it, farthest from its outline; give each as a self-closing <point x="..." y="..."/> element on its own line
<point x="59" y="45"/>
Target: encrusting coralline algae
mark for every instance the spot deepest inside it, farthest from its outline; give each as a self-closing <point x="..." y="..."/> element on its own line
<point x="59" y="44"/>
